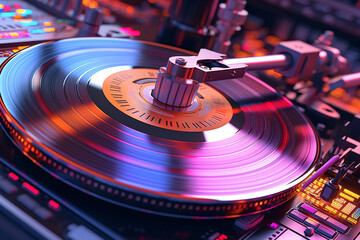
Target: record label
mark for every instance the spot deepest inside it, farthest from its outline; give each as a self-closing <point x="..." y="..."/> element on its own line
<point x="130" y="92"/>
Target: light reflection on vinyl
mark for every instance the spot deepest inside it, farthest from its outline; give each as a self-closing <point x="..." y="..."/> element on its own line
<point x="82" y="110"/>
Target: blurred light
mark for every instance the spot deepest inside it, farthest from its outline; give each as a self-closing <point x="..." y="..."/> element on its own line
<point x="54" y="204"/>
<point x="30" y="188"/>
<point x="13" y="176"/>
<point x="130" y="31"/>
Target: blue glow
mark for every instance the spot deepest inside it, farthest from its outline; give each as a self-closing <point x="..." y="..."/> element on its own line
<point x="27" y="12"/>
<point x="356" y="214"/>
<point x="35" y="31"/>
<point x="12" y="14"/>
<point x="32" y="23"/>
<point x="7" y="14"/>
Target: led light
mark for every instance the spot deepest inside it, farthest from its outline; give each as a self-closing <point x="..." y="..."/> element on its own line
<point x="348" y="208"/>
<point x="350" y="220"/>
<point x="20" y="11"/>
<point x="49" y="29"/>
<point x="47" y="24"/>
<point x="30" y="188"/>
<point x="54" y="204"/>
<point x="356" y="214"/>
<point x="36" y="31"/>
<point x="13" y="176"/>
<point x="32" y="23"/>
<point x="347" y="197"/>
<point x="7" y="14"/>
<point x="222" y="237"/>
<point x="274" y="225"/>
<point x="343" y="216"/>
<point x="352" y="194"/>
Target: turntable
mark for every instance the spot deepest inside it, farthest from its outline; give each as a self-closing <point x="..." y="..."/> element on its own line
<point x="105" y="138"/>
<point x="83" y="110"/>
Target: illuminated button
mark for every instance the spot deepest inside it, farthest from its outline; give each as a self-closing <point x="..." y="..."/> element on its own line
<point x="54" y="205"/>
<point x="356" y="213"/>
<point x="351" y="220"/>
<point x="307" y="209"/>
<point x="347" y="197"/>
<point x="37" y="31"/>
<point x="343" y="216"/>
<point x="297" y="215"/>
<point x="7" y="187"/>
<point x="20" y="11"/>
<point x="336" y="224"/>
<point x="49" y="29"/>
<point x="47" y="24"/>
<point x="321" y="216"/>
<point x="350" y="193"/>
<point x="274" y="225"/>
<point x="311" y="223"/>
<point x="331" y="210"/>
<point x="13" y="176"/>
<point x="30" y="188"/>
<point x="348" y="208"/>
<point x="326" y="231"/>
<point x="43" y="213"/>
<point x="27" y="201"/>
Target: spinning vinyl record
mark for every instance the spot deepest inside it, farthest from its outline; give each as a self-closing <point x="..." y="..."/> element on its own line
<point x="82" y="110"/>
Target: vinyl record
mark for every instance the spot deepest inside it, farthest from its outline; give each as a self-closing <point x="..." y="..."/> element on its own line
<point x="82" y="110"/>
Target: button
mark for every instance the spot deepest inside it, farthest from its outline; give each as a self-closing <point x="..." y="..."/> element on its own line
<point x="7" y="186"/>
<point x="309" y="231"/>
<point x="307" y="209"/>
<point x="297" y="215"/>
<point x="336" y="224"/>
<point x="248" y="222"/>
<point x="321" y="216"/>
<point x="43" y="213"/>
<point x="27" y="201"/>
<point x="311" y="223"/>
<point x="78" y="232"/>
<point x="326" y="231"/>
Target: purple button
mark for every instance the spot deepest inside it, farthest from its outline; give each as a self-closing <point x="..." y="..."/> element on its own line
<point x="311" y="223"/>
<point x="336" y="224"/>
<point x="307" y="209"/>
<point x="297" y="215"/>
<point x="328" y="232"/>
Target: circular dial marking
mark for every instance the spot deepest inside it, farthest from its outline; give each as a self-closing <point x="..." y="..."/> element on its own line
<point x="130" y="92"/>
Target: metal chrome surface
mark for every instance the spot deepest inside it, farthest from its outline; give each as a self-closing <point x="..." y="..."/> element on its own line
<point x="47" y="109"/>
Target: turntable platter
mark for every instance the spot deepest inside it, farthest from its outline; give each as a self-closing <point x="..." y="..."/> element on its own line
<point x="82" y="110"/>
